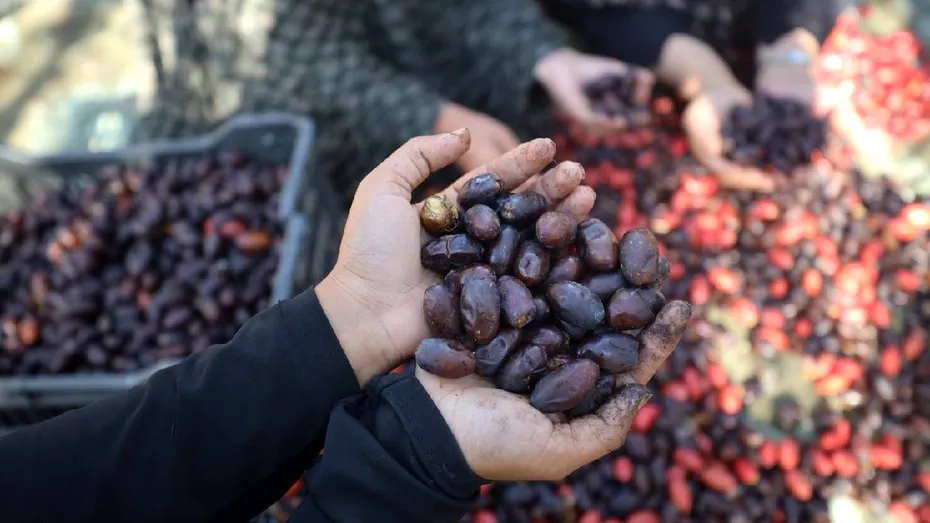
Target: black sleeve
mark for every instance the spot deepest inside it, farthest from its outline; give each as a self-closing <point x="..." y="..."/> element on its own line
<point x="218" y="437"/>
<point x="390" y="458"/>
<point x="774" y="18"/>
<point x="634" y="35"/>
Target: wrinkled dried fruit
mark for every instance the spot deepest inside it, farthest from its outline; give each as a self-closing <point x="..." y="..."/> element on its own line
<point x="615" y="352"/>
<point x="555" y="229"/>
<point x="482" y="223"/>
<point x="521" y="209"/>
<point x="503" y="250"/>
<point x="492" y="355"/>
<point x="532" y="263"/>
<point x="445" y="358"/>
<point x="439" y="215"/>
<point x="633" y="308"/>
<point x="482" y="189"/>
<point x="575" y="305"/>
<point x="440" y="307"/>
<point x="568" y="268"/>
<point x="451" y="251"/>
<point x="597" y="245"/>
<point x="521" y="370"/>
<point x="565" y="387"/>
<point x="480" y="306"/>
<point x="639" y="257"/>
<point x="549" y="338"/>
<point x="517" y="304"/>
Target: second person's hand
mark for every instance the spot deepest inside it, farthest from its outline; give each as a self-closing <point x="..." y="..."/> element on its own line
<point x="565" y="73"/>
<point x="702" y="120"/>
<point x="490" y="138"/>
<point x="373" y="297"/>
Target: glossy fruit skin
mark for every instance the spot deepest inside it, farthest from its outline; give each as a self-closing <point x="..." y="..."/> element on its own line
<point x="480" y="306"/>
<point x="482" y="189"/>
<point x="597" y="245"/>
<point x="517" y="307"/>
<point x="522" y="369"/>
<point x="445" y="358"/>
<point x="576" y="305"/>
<point x="492" y="355"/>
<point x="440" y="307"/>
<point x="564" y="388"/>
<point x="615" y="352"/>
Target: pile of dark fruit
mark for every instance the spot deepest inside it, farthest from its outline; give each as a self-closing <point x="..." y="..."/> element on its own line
<point x="143" y="264"/>
<point x="776" y="133"/>
<point x="539" y="303"/>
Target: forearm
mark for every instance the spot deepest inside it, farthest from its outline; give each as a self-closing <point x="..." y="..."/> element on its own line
<point x="220" y="435"/>
<point x="692" y="66"/>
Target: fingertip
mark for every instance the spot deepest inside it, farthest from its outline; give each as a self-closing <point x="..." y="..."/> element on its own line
<point x="620" y="410"/>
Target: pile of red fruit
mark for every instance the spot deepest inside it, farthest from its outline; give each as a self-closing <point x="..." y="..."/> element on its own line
<point x="890" y="76"/>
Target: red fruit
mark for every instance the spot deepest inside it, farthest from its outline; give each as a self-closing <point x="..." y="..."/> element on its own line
<point x="485" y="488"/>
<point x="765" y="210"/>
<point x="747" y="471"/>
<point x="295" y="489"/>
<point x="812" y="282"/>
<point x="772" y="318"/>
<point x="816" y="367"/>
<point x="803" y="328"/>
<point x="679" y="493"/>
<point x="704" y="443"/>
<point x="678" y="271"/>
<point x="848" y="368"/>
<point x="643" y="516"/>
<point x="789" y="454"/>
<point x="902" y="513"/>
<point x="778" y="288"/>
<point x="745" y="311"/>
<point x="799" y="485"/>
<point x="483" y="516"/>
<point x="717" y="375"/>
<point x="694" y="382"/>
<point x="845" y="464"/>
<point x="689" y="459"/>
<point x="923" y="513"/>
<point x="915" y="344"/>
<point x="923" y="479"/>
<point x="907" y="280"/>
<point x="768" y="455"/>
<point x="781" y="258"/>
<point x="646" y="417"/>
<point x="880" y="314"/>
<point x="902" y="230"/>
<point x="700" y="290"/>
<point x="774" y="337"/>
<point x="833" y="385"/>
<point x="623" y="469"/>
<point x="717" y="477"/>
<point x="613" y="520"/>
<point x="724" y="280"/>
<point x="885" y="458"/>
<point x="730" y="399"/>
<point x="917" y="215"/>
<point x="891" y="361"/>
<point x="821" y="463"/>
<point x="591" y="516"/>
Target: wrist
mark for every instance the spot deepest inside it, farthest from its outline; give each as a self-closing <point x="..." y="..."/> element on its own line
<point x="356" y="327"/>
<point x="797" y="48"/>
<point x="546" y="68"/>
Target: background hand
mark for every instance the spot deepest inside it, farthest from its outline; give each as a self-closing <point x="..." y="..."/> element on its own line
<point x="374" y="295"/>
<point x="489" y="137"/>
<point x="702" y="120"/>
<point x="564" y="74"/>
<point x="504" y="438"/>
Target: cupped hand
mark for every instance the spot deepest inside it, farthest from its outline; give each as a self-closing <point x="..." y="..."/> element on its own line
<point x="702" y="120"/>
<point x="503" y="438"/>
<point x="490" y="138"/>
<point x="373" y="297"/>
<point x="565" y="73"/>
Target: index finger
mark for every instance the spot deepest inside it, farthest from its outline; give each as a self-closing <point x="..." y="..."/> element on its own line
<point x="658" y="340"/>
<point x="514" y="167"/>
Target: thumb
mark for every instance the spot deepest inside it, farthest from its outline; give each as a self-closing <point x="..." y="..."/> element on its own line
<point x="407" y="167"/>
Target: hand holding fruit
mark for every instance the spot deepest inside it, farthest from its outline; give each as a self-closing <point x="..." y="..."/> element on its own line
<point x="702" y="120"/>
<point x="490" y="138"/>
<point x="374" y="295"/>
<point x="565" y="73"/>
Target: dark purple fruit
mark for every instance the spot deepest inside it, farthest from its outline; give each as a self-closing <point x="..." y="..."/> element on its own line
<point x="482" y="189"/>
<point x="568" y="268"/>
<point x="604" y="284"/>
<point x="456" y="278"/>
<point x="596" y="397"/>
<point x="480" y="306"/>
<point x="445" y="358"/>
<point x="576" y="305"/>
<point x="449" y="252"/>
<point x="521" y="370"/>
<point x="555" y="229"/>
<point x="521" y="209"/>
<point x="532" y="263"/>
<point x="597" y="245"/>
<point x="549" y="338"/>
<point x="614" y="352"/>
<point x="565" y="387"/>
<point x="492" y="355"/>
<point x="634" y="308"/>
<point x="503" y="249"/>
<point x="440" y="307"/>
<point x="482" y="223"/>
<point x="516" y="302"/>
<point x="639" y="257"/>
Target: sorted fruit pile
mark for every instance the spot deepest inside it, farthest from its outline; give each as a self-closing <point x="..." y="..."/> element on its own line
<point x="890" y="75"/>
<point x="774" y="133"/>
<point x="540" y="303"/>
<point x="615" y="95"/>
<point x="143" y="264"/>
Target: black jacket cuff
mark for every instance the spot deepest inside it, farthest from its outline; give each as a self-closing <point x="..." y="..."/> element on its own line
<point x="389" y="457"/>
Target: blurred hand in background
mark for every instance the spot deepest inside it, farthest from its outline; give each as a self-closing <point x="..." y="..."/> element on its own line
<point x="490" y="137"/>
<point x="565" y="73"/>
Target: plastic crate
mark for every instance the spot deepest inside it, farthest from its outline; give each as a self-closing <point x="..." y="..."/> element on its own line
<point x="309" y="211"/>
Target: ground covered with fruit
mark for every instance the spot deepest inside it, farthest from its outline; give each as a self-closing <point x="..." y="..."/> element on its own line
<point x="801" y="391"/>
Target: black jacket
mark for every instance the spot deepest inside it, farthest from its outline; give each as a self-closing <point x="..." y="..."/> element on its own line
<point x="223" y="434"/>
